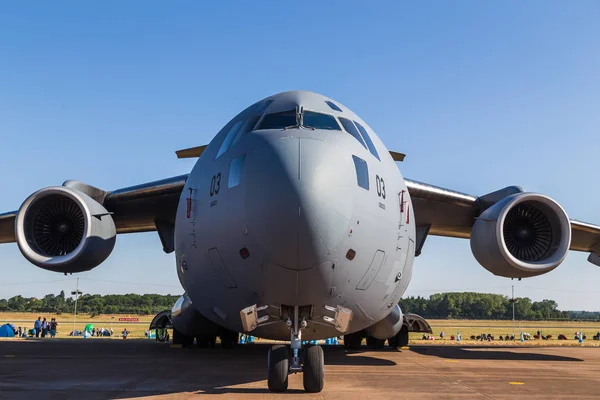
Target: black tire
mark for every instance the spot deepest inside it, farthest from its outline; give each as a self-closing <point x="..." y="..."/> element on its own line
<point x="353" y="341"/>
<point x="277" y="368"/>
<point x="374" y="343"/>
<point x="392" y="342"/>
<point x="402" y="337"/>
<point x="205" y="341"/>
<point x="313" y="369"/>
<point x="162" y="335"/>
<point x="229" y="340"/>
<point x="182" y="339"/>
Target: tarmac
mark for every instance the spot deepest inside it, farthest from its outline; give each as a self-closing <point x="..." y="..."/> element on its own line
<point x="119" y="369"/>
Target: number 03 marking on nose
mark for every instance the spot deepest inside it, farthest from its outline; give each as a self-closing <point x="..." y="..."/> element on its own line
<point x="215" y="184"/>
<point x="380" y="186"/>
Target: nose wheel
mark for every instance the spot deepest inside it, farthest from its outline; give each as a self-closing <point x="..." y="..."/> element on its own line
<point x="314" y="369"/>
<point x="309" y="361"/>
<point x="277" y="368"/>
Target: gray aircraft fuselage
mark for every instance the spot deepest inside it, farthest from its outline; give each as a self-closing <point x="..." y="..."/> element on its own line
<point x="277" y="217"/>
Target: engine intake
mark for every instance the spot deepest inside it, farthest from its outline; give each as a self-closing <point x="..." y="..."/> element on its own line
<point x="522" y="235"/>
<point x="64" y="230"/>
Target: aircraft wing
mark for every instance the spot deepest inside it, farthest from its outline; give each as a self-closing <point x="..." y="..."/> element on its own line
<point x="7" y="227"/>
<point x="147" y="207"/>
<point x="438" y="211"/>
<point x="443" y="212"/>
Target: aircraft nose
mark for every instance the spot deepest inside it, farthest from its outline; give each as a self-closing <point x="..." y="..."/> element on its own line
<point x="298" y="200"/>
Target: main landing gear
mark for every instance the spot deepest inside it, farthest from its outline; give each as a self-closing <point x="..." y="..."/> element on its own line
<point x="401" y="338"/>
<point x="229" y="339"/>
<point x="353" y="341"/>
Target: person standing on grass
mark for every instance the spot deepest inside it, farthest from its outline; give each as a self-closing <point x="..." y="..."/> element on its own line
<point x="37" y="326"/>
<point x="53" y="325"/>
<point x="44" y="327"/>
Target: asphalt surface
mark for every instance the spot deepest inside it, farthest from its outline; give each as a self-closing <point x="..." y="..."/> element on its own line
<point x="118" y="369"/>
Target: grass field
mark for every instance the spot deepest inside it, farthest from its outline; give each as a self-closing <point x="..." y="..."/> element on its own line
<point x="450" y="327"/>
<point x="65" y="322"/>
<point x="497" y="328"/>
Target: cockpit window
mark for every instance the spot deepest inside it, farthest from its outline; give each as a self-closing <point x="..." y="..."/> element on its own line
<point x="278" y="120"/>
<point x="362" y="172"/>
<point x="236" y="132"/>
<point x="248" y="126"/>
<point x="351" y="129"/>
<point x="233" y="131"/>
<point x="320" y="121"/>
<point x="333" y="105"/>
<point x="263" y="106"/>
<point x="251" y="123"/>
<point x="367" y="138"/>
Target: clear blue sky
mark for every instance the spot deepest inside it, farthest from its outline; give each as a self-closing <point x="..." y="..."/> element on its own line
<point x="479" y="95"/>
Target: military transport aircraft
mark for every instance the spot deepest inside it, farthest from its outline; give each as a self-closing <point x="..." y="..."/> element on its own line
<point x="295" y="224"/>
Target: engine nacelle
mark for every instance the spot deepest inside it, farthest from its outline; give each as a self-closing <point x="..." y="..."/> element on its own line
<point x="64" y="230"/>
<point x="522" y="235"/>
<point x="387" y="327"/>
<point x="187" y="320"/>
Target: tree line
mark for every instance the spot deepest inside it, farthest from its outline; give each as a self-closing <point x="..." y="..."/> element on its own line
<point x="95" y="304"/>
<point x="467" y="305"/>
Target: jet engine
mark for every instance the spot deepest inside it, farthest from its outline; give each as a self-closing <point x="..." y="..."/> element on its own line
<point x="64" y="230"/>
<point x="522" y="235"/>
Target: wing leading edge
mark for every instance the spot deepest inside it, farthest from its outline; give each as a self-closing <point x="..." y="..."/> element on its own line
<point x="438" y="211"/>
<point x="7" y="227"/>
<point x="147" y="207"/>
<point x="444" y="212"/>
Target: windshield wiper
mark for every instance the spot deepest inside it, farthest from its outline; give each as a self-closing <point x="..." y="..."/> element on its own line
<point x="299" y="120"/>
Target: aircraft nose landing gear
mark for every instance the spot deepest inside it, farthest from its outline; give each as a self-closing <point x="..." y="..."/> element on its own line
<point x="312" y="367"/>
<point x="309" y="360"/>
<point x="311" y="363"/>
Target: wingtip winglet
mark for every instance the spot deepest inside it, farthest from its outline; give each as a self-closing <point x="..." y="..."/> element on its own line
<point x="397" y="156"/>
<point x="192" y="152"/>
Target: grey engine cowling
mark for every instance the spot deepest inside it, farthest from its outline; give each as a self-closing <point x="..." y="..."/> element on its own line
<point x="187" y="320"/>
<point x="522" y="235"/>
<point x="389" y="326"/>
<point x="64" y="230"/>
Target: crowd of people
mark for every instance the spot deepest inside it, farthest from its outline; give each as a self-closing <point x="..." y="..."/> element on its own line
<point x="488" y="337"/>
<point x="43" y="327"/>
<point x="102" y="332"/>
<point x="93" y="332"/>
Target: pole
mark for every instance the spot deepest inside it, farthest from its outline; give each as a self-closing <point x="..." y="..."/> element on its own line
<point x="513" y="304"/>
<point x="75" y="311"/>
